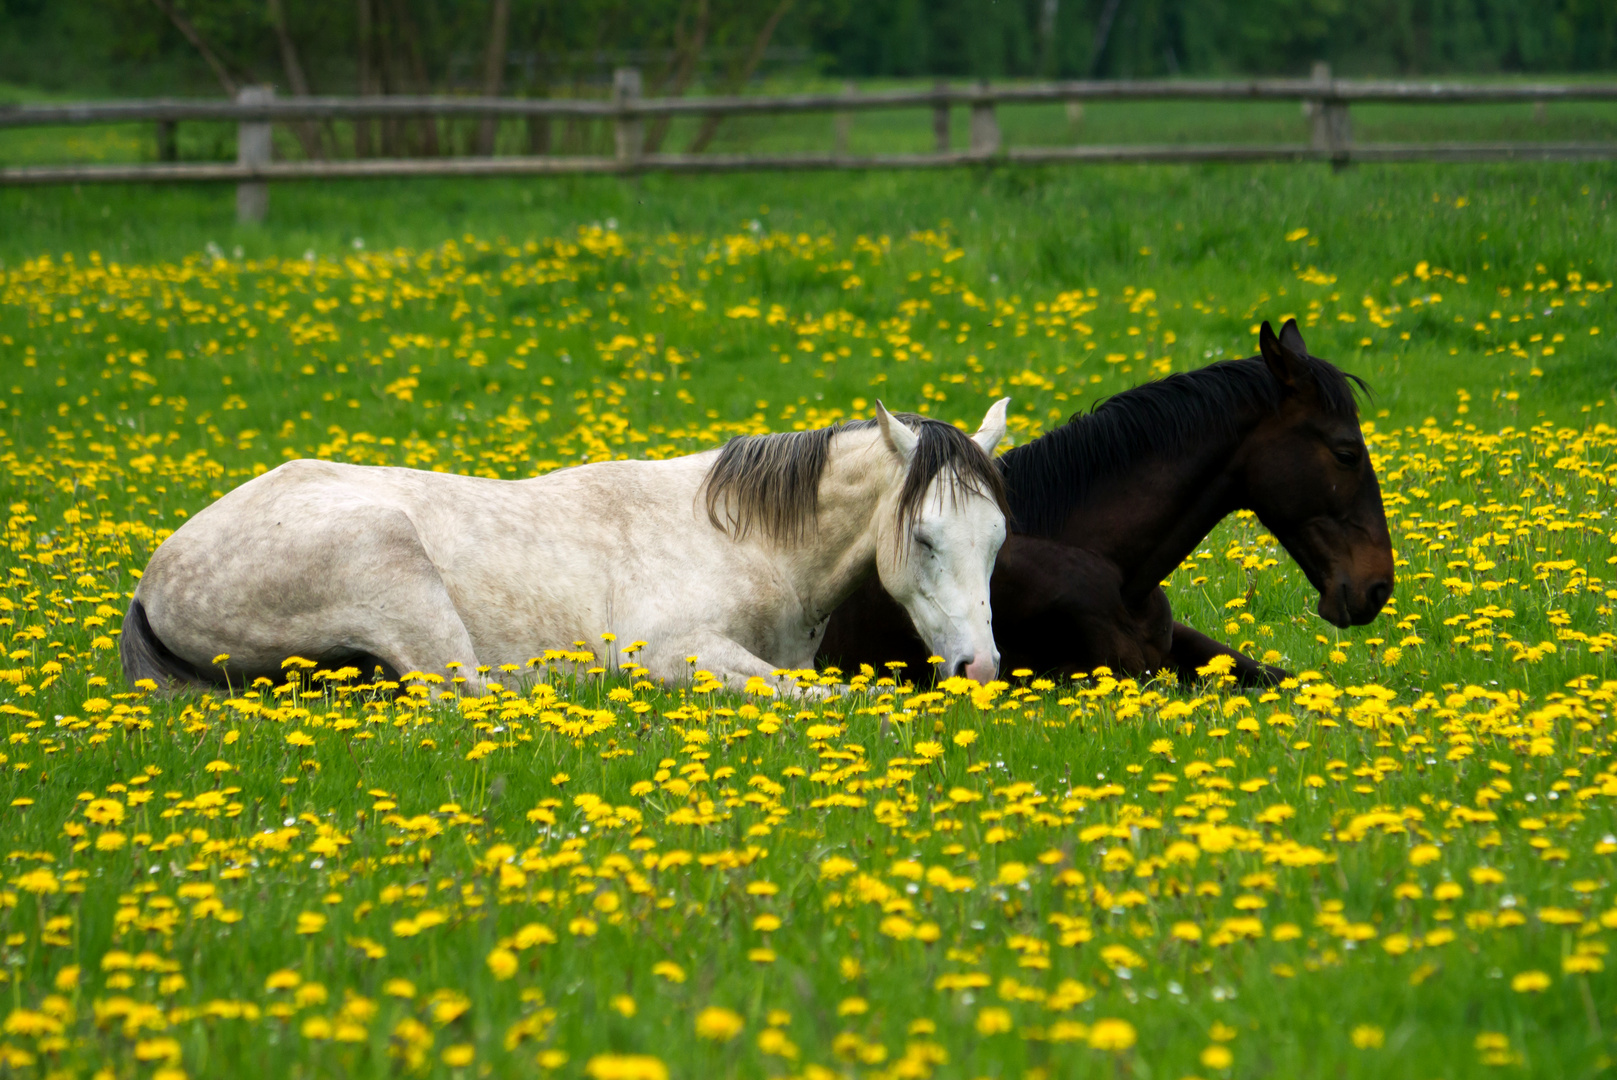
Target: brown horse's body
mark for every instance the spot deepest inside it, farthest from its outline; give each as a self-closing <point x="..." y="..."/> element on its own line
<point x="1107" y="506"/>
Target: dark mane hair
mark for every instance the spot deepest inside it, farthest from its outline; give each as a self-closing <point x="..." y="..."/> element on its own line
<point x="772" y="482"/>
<point x="1050" y="476"/>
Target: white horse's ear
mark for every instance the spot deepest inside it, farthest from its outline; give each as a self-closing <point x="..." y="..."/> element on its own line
<point x="992" y="432"/>
<point x="897" y="434"/>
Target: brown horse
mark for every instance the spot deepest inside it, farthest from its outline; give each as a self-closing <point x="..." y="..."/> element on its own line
<point x="1108" y="505"/>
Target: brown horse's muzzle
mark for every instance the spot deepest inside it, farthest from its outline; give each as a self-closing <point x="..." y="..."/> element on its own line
<point x="1352" y="570"/>
<point x="1348" y="603"/>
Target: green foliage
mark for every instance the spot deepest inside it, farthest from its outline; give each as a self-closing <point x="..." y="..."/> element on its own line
<point x="1155" y="37"/>
<point x="128" y="47"/>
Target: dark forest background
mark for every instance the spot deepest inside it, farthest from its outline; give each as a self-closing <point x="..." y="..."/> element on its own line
<point x="558" y="47"/>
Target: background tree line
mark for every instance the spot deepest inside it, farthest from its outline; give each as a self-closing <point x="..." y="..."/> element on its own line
<point x="563" y="47"/>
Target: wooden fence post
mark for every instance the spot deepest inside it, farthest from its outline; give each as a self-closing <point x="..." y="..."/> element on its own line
<point x="1319" y="73"/>
<point x="628" y="131"/>
<point x="167" y="141"/>
<point x="253" y="150"/>
<point x="844" y="123"/>
<point x="1330" y="124"/>
<point x="940" y="120"/>
<point x="984" y="126"/>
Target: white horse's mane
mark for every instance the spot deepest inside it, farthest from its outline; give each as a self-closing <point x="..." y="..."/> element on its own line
<point x="772" y="482"/>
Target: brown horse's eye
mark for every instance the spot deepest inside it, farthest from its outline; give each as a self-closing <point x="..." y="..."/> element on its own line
<point x="1349" y="458"/>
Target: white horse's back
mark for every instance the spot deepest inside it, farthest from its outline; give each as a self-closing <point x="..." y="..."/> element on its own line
<point x="528" y="565"/>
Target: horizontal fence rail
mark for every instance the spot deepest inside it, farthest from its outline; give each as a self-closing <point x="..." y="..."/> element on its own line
<point x="1327" y="101"/>
<point x="528" y="165"/>
<point x="360" y="108"/>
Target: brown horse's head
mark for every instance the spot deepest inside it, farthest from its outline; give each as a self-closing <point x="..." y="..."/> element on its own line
<point x="1310" y="481"/>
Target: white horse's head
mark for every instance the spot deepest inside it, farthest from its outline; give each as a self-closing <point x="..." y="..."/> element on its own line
<point x="939" y="534"/>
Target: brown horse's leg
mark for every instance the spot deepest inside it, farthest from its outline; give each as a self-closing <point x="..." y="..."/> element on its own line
<point x="872" y="628"/>
<point x="1192" y="649"/>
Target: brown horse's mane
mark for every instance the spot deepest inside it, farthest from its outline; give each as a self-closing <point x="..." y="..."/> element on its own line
<point x="1051" y="476"/>
<point x="772" y="482"/>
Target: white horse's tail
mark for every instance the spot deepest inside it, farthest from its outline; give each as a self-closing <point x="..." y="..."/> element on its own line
<point x="144" y="656"/>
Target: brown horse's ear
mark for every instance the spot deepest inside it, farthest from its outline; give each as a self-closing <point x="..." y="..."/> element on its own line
<point x="1284" y="365"/>
<point x="1292" y="338"/>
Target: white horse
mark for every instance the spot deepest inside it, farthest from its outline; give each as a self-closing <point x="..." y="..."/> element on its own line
<point x="735" y="556"/>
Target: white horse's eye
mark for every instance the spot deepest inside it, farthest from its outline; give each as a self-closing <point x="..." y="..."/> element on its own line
<point x="924" y="541"/>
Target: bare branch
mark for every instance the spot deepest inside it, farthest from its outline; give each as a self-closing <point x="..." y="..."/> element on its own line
<point x="1103" y="33"/>
<point x="198" y="42"/>
<point x="689" y="50"/>
<point x="760" y="44"/>
<point x="307" y="133"/>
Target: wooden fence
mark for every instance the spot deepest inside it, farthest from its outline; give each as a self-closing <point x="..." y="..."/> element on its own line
<point x="256" y="109"/>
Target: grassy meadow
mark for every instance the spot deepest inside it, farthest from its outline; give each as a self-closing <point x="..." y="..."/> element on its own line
<point x="1398" y="864"/>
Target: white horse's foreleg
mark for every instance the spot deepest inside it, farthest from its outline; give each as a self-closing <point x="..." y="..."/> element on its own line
<point x="726" y="658"/>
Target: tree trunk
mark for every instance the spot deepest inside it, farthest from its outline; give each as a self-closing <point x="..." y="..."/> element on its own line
<point x="1048" y="10"/>
<point x="573" y="130"/>
<point x="390" y="78"/>
<point x="367" y="77"/>
<point x="539" y="135"/>
<point x="493" y="71"/>
<point x="308" y="135"/>
<point x="710" y="123"/>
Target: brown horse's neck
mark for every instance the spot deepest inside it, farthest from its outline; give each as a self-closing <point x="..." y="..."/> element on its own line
<point x="1149" y="518"/>
<point x="1146" y="515"/>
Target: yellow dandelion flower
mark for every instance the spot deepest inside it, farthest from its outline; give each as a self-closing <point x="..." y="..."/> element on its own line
<point x="625" y="1067"/>
<point x="1530" y="982"/>
<point x="1112" y="1034"/>
<point x="718" y="1024"/>
<point x="502" y="963"/>
<point x="1582" y="964"/>
<point x="105" y="811"/>
<point x="1421" y="854"/>
<point x="993" y="1021"/>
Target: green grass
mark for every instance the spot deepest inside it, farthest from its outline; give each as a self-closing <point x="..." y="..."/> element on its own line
<point x="147" y="376"/>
